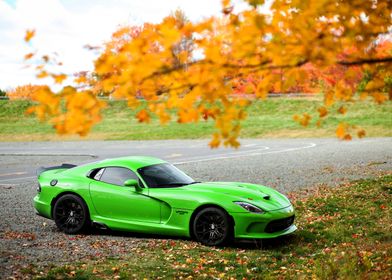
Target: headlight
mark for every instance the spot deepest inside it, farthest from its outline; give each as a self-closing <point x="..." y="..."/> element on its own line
<point x="250" y="207"/>
<point x="39" y="188"/>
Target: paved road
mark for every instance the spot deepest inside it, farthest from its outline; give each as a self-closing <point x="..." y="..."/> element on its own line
<point x="284" y="164"/>
<point x="26" y="239"/>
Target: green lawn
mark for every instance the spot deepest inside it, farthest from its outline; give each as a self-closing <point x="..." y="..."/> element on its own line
<point x="269" y="119"/>
<point x="343" y="233"/>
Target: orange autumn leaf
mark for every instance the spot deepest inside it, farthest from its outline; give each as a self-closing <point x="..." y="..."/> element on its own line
<point x="361" y="133"/>
<point x="216" y="140"/>
<point x="28" y="56"/>
<point x="59" y="78"/>
<point x="322" y="112"/>
<point x="342" y="110"/>
<point x="302" y="120"/>
<point x="347" y="137"/>
<point x="29" y="35"/>
<point x="341" y="130"/>
<point x="379" y="97"/>
<point x="143" y="116"/>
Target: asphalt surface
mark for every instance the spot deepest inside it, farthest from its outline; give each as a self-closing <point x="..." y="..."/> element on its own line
<point x="284" y="164"/>
<point x="28" y="241"/>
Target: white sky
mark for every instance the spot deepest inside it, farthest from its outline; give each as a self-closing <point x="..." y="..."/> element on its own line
<point x="65" y="26"/>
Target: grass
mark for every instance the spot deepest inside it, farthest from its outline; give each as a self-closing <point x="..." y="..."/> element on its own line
<point x="266" y="119"/>
<point x="343" y="233"/>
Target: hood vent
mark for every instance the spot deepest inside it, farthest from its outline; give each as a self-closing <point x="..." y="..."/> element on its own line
<point x="266" y="197"/>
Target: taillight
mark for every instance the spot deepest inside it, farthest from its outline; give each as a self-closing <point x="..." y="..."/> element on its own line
<point x="39" y="188"/>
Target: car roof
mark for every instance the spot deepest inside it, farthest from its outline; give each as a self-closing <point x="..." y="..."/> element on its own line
<point x="132" y="161"/>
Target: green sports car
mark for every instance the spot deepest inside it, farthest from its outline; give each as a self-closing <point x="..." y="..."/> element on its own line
<point x="149" y="195"/>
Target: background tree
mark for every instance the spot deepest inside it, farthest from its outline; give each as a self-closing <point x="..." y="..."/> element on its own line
<point x="25" y="92"/>
<point x="2" y="93"/>
<point x="151" y="62"/>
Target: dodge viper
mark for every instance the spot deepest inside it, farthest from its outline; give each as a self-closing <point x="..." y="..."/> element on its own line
<point x="149" y="195"/>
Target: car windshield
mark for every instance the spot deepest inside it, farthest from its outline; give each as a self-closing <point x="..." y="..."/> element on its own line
<point x="164" y="175"/>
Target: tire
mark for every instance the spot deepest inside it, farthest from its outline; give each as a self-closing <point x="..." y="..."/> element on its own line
<point x="71" y="214"/>
<point x="211" y="226"/>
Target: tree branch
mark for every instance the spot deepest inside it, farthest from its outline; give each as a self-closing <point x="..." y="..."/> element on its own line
<point x="264" y="65"/>
<point x="366" y="61"/>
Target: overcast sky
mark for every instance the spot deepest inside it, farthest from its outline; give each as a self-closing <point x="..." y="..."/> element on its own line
<point x="65" y="26"/>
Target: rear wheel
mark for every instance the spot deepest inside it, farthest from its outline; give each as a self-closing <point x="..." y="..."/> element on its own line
<point x="211" y="226"/>
<point x="70" y="214"/>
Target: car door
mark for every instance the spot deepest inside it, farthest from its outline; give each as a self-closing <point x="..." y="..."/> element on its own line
<point x="113" y="200"/>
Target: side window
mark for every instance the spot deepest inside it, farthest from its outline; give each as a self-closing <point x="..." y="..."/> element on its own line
<point x="95" y="173"/>
<point x="117" y="175"/>
<point x="99" y="174"/>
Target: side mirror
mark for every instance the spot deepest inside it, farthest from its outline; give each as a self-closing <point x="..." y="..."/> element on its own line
<point x="132" y="183"/>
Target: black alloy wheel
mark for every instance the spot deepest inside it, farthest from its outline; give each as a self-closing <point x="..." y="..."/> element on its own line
<point x="211" y="227"/>
<point x="70" y="214"/>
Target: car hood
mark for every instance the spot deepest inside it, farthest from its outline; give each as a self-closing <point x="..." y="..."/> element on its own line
<point x="266" y="198"/>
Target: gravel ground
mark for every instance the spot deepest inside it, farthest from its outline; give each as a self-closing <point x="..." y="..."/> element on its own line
<point x="27" y="240"/>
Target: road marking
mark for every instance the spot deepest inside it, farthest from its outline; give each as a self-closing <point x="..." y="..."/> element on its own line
<point x="7" y="186"/>
<point x="47" y="154"/>
<point x="173" y="155"/>
<point x="217" y="156"/>
<point x="250" y="145"/>
<point x="13" y="179"/>
<point x="248" y="153"/>
<point x="14" y="173"/>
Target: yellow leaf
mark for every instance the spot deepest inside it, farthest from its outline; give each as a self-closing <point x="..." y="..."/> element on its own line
<point x="42" y="74"/>
<point x="58" y="79"/>
<point x="80" y="80"/>
<point x="216" y="140"/>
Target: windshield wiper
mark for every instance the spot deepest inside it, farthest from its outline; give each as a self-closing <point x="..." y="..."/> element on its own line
<point x="172" y="184"/>
<point x="177" y="184"/>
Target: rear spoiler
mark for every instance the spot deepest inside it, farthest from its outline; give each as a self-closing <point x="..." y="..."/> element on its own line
<point x="63" y="166"/>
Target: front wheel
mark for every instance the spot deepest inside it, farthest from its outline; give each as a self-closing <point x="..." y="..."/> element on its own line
<point x="211" y="227"/>
<point x="70" y="214"/>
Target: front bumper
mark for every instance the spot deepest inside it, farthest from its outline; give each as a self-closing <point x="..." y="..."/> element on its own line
<point x="251" y="225"/>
